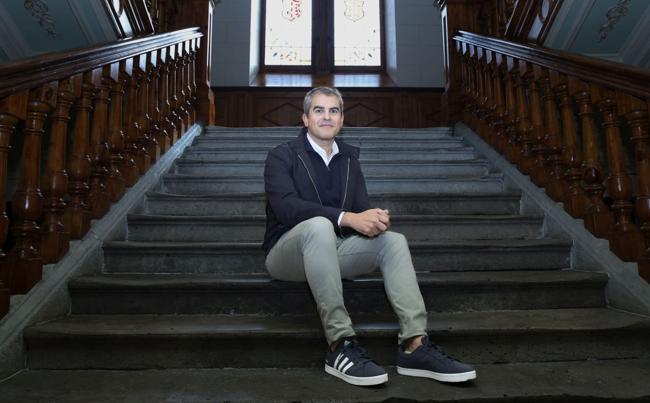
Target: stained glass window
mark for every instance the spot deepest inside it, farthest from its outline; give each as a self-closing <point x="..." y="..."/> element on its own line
<point x="288" y="33"/>
<point x="357" y="33"/>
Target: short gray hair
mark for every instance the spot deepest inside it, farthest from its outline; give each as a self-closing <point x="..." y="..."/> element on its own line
<point x="306" y="104"/>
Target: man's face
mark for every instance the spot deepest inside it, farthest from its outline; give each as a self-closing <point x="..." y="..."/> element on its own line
<point x="325" y="117"/>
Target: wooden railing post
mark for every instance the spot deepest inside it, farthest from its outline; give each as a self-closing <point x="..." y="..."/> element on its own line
<point x="522" y="78"/>
<point x="98" y="199"/>
<point x="499" y="99"/>
<point x="172" y="95"/>
<point x="140" y="126"/>
<point x="598" y="217"/>
<point x="540" y="169"/>
<point x="179" y="91"/>
<point x="55" y="239"/>
<point x="187" y="58"/>
<point x="130" y="171"/>
<point x="556" y="187"/>
<point x="26" y="261"/>
<point x="77" y="215"/>
<point x="638" y="122"/>
<point x="116" y="182"/>
<point x="12" y="110"/>
<point x="625" y="238"/>
<point x="575" y="201"/>
<point x="154" y="110"/>
<point x="512" y="152"/>
<point x="193" y="57"/>
<point x="167" y="124"/>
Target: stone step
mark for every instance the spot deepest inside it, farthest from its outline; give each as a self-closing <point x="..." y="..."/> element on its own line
<point x="415" y="169"/>
<point x="209" y="184"/>
<point x="397" y="203"/>
<point x="146" y="227"/>
<point x="260" y="295"/>
<point x="211" y="341"/>
<point x="395" y="143"/>
<point x="563" y="381"/>
<point x="235" y="258"/>
<point x="292" y="132"/>
<point x="413" y="154"/>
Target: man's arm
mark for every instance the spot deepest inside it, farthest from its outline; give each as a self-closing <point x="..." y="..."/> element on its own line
<point x="283" y="197"/>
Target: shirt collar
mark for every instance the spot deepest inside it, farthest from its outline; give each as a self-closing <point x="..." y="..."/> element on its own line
<point x="320" y="151"/>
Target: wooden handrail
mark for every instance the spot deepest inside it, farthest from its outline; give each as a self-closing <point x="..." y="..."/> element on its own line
<point x="632" y="80"/>
<point x="30" y="72"/>
<point x="566" y="120"/>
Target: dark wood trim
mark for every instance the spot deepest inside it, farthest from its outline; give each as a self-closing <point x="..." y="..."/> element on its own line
<point x="631" y="80"/>
<point x="34" y="71"/>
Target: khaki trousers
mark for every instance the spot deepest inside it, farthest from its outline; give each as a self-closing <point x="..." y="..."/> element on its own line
<point x="312" y="252"/>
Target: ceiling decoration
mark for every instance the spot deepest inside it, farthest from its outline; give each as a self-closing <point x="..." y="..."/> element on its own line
<point x="39" y="10"/>
<point x="613" y="15"/>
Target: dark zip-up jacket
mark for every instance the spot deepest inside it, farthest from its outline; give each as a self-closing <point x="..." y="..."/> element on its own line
<point x="292" y="194"/>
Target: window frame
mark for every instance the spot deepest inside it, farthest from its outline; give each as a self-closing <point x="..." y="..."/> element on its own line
<point x="322" y="44"/>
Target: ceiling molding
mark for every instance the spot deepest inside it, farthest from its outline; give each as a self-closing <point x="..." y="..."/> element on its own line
<point x="563" y="33"/>
<point x="14" y="44"/>
<point x="88" y="25"/>
<point x="637" y="45"/>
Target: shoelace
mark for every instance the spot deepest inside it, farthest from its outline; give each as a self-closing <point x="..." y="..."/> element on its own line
<point x="357" y="353"/>
<point x="431" y="345"/>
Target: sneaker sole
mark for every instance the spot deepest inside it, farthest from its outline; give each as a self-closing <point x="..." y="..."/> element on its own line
<point x="356" y="380"/>
<point x="460" y="377"/>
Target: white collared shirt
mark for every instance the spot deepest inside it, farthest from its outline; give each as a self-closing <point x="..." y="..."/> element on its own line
<point x="326" y="159"/>
<point x="320" y="151"/>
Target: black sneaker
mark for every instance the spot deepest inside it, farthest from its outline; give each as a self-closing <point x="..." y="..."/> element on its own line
<point x="350" y="362"/>
<point x="428" y="361"/>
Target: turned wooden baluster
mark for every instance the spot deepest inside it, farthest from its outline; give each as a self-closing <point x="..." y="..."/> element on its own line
<point x="77" y="214"/>
<point x="98" y="200"/>
<point x="12" y="109"/>
<point x="625" y="239"/>
<point x="55" y="239"/>
<point x="116" y="182"/>
<point x="638" y="123"/>
<point x="140" y="127"/>
<point x="172" y="95"/>
<point x="467" y="88"/>
<point x="523" y="77"/>
<point x="167" y="124"/>
<point x="26" y="261"/>
<point x="540" y="170"/>
<point x="194" y="92"/>
<point x="575" y="202"/>
<point x="481" y="110"/>
<point x="598" y="217"/>
<point x="154" y="110"/>
<point x="187" y="62"/>
<point x="179" y="91"/>
<point x="500" y="110"/>
<point x="490" y="103"/>
<point x="556" y="186"/>
<point x="130" y="169"/>
<point x="512" y="151"/>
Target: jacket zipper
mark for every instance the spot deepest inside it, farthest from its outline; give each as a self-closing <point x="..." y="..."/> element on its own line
<point x="345" y="193"/>
<point x="311" y="179"/>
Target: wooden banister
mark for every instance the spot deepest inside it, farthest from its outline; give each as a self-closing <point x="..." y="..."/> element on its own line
<point x="111" y="103"/>
<point x="570" y="116"/>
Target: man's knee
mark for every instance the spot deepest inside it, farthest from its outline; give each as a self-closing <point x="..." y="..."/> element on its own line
<point x="318" y="228"/>
<point x="394" y="242"/>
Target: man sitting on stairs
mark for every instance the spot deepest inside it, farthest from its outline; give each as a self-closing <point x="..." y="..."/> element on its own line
<point x="321" y="228"/>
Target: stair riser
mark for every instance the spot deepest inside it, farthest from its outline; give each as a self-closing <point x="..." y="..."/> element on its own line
<point x="190" y="186"/>
<point x="283" y="351"/>
<point x="496" y="205"/>
<point x="296" y="301"/>
<point x="260" y="155"/>
<point x="421" y="171"/>
<point x="252" y="261"/>
<point x="196" y="231"/>
<point x="369" y="142"/>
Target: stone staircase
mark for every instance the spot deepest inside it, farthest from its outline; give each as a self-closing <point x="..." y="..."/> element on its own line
<point x="187" y="289"/>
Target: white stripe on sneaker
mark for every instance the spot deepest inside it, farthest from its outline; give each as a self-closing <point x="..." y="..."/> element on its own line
<point x="342" y="364"/>
<point x="345" y="370"/>
<point x="336" y="362"/>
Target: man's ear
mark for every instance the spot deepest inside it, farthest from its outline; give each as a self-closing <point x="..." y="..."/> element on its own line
<point x="305" y="120"/>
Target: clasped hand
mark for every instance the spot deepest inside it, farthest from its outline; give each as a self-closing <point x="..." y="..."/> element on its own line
<point x="371" y="222"/>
